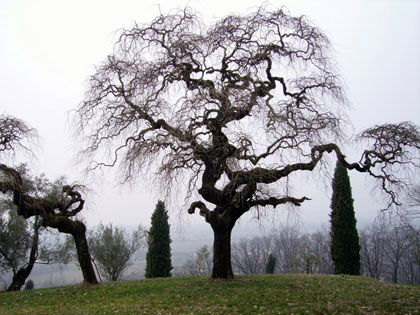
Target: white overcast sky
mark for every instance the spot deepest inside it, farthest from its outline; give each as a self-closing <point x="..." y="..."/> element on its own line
<point x="49" y="48"/>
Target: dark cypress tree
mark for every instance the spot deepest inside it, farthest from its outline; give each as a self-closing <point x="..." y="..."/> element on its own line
<point x="271" y="264"/>
<point x="345" y="248"/>
<point x="158" y="257"/>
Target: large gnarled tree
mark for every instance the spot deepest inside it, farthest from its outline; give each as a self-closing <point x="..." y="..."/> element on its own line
<point x="237" y="107"/>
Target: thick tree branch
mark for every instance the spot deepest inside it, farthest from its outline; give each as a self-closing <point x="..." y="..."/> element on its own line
<point x="201" y="206"/>
<point x="272" y="201"/>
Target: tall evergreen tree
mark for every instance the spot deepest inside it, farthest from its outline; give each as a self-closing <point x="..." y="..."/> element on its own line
<point x="345" y="247"/>
<point x="158" y="257"/>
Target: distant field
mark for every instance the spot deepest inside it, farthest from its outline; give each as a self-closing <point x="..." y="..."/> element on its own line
<point x="262" y="294"/>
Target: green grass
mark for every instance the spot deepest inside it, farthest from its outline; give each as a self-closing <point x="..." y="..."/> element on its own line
<point x="262" y="294"/>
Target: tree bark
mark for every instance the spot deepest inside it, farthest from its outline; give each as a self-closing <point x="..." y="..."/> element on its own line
<point x="23" y="273"/>
<point x="19" y="278"/>
<point x="222" y="263"/>
<point x="78" y="230"/>
<point x="83" y="255"/>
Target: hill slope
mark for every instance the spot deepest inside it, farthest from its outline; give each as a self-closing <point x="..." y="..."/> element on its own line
<point x="262" y="294"/>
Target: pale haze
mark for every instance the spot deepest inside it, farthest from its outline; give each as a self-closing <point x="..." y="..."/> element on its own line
<point x="48" y="49"/>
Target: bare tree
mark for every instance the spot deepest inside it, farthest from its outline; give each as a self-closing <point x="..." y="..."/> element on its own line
<point x="250" y="256"/>
<point x="15" y="135"/>
<point x="372" y="255"/>
<point x="287" y="248"/>
<point x="395" y="247"/>
<point x="199" y="265"/>
<point x="320" y="248"/>
<point x="237" y="107"/>
<point x="410" y="262"/>
<point x="390" y="249"/>
<point x="309" y="257"/>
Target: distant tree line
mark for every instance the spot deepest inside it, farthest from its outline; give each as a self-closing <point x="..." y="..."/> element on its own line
<point x="390" y="251"/>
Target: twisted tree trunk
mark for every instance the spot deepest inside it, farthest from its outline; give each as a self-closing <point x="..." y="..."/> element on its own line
<point x="23" y="273"/>
<point x="78" y="230"/>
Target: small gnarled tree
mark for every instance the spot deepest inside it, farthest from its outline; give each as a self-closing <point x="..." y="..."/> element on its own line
<point x="237" y="107"/>
<point x="55" y="210"/>
<point x="23" y="242"/>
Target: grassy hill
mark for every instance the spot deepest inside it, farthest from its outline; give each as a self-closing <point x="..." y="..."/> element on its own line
<point x="262" y="294"/>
